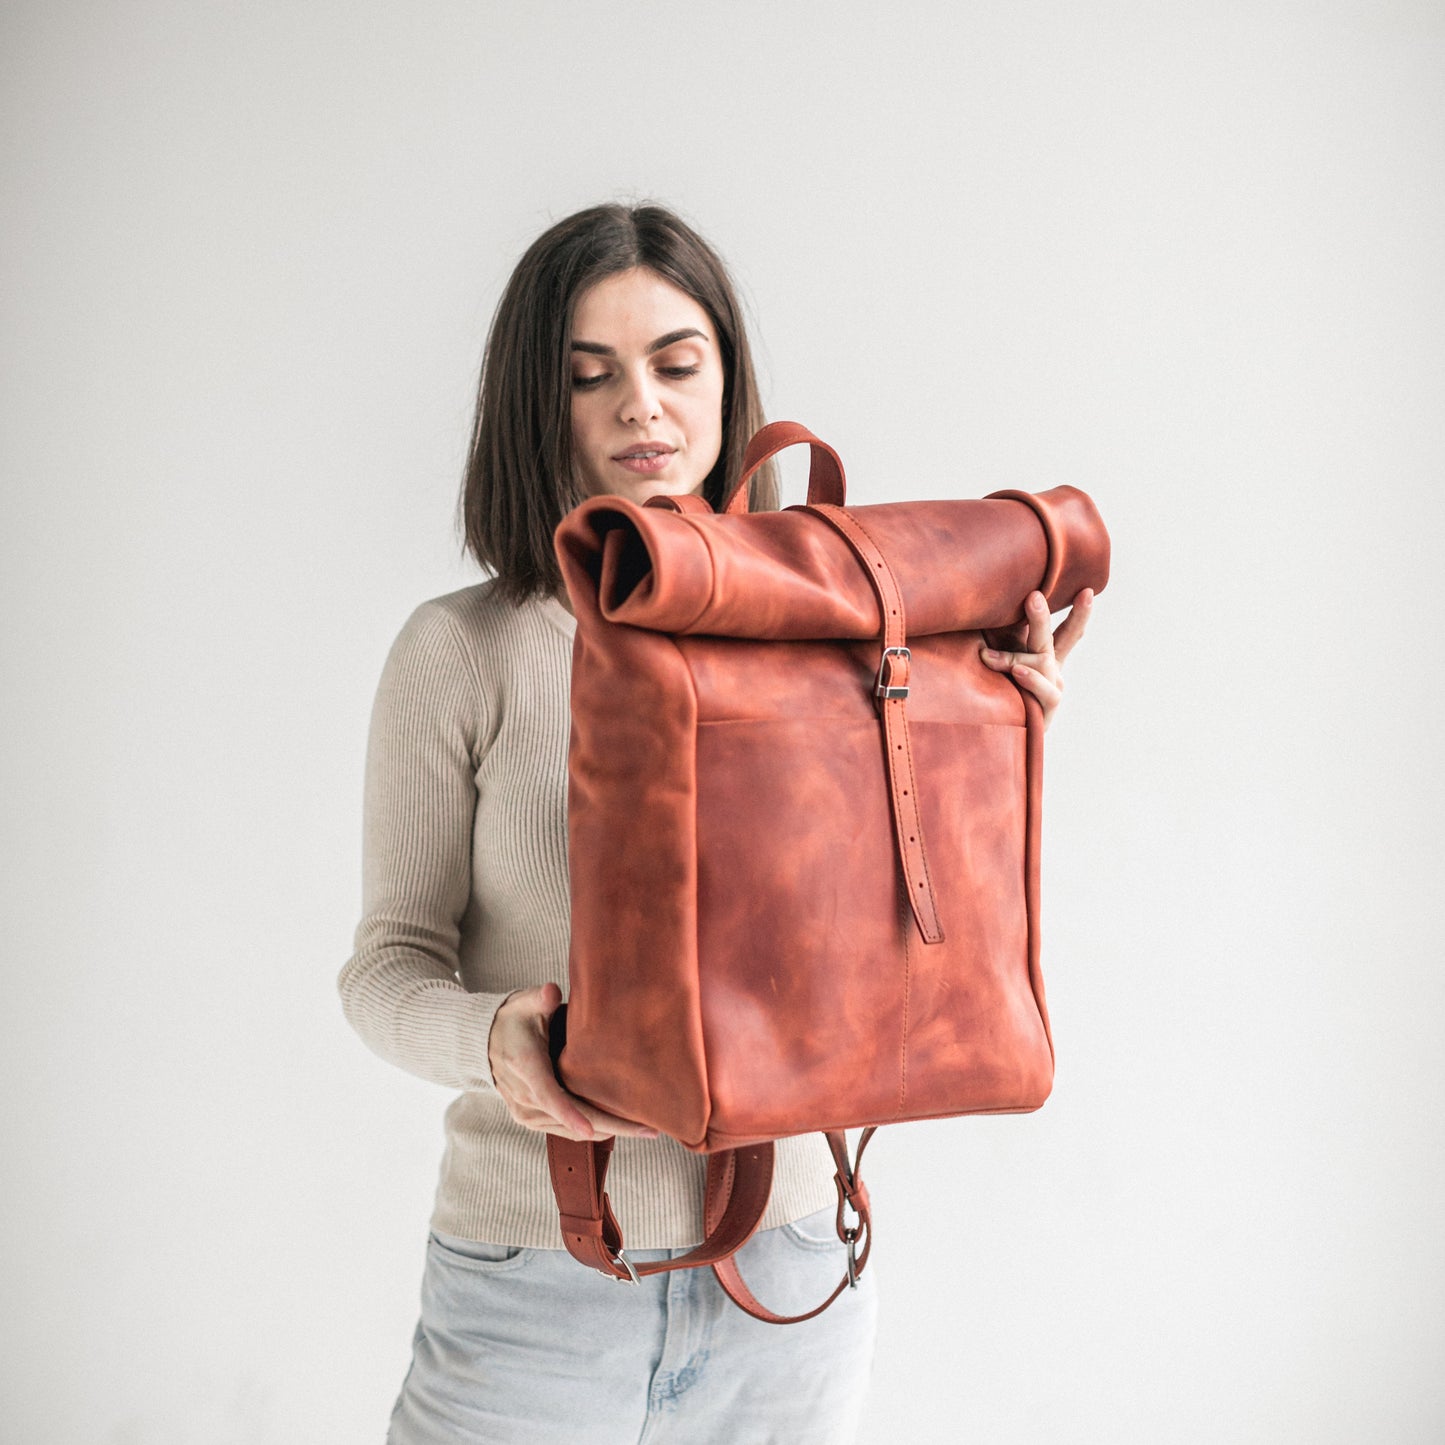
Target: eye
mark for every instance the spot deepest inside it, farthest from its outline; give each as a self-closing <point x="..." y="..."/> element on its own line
<point x="586" y="383"/>
<point x="679" y="371"/>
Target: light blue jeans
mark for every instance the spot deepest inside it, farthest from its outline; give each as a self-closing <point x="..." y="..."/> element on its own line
<point x="529" y="1347"/>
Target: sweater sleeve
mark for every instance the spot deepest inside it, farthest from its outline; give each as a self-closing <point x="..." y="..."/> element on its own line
<point x="400" y="989"/>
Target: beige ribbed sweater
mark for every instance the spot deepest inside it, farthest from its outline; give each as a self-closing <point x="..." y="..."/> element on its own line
<point x="464" y="899"/>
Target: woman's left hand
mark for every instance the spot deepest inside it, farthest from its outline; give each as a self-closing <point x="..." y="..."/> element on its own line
<point x="1035" y="655"/>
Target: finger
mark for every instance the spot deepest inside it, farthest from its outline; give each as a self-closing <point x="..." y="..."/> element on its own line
<point x="541" y="1076"/>
<point x="567" y="1112"/>
<point x="1003" y="661"/>
<point x="1048" y="692"/>
<point x="606" y="1123"/>
<point x="553" y="1099"/>
<point x="545" y="1124"/>
<point x="538" y="1098"/>
<point x="1040" y="637"/>
<point x="524" y="1075"/>
<point x="1015" y="636"/>
<point x="1072" y="627"/>
<point x="562" y="1133"/>
<point x="600" y="1124"/>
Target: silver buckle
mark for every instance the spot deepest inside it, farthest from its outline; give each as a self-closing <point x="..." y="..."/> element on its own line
<point x="622" y="1259"/>
<point x="879" y="690"/>
<point x="850" y="1236"/>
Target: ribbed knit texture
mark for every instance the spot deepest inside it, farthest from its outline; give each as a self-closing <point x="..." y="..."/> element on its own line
<point x="465" y="899"/>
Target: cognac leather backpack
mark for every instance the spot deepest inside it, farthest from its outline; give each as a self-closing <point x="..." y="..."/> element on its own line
<point x="803" y="824"/>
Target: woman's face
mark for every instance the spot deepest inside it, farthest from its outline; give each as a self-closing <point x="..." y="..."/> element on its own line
<point x="647" y="388"/>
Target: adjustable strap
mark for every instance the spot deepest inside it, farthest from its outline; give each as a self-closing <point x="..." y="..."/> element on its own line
<point x="579" y="1181"/>
<point x="890" y="694"/>
<point x="852" y="1196"/>
<point x="738" y="1184"/>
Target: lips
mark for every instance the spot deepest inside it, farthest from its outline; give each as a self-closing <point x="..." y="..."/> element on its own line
<point x="645" y="449"/>
<point x="646" y="459"/>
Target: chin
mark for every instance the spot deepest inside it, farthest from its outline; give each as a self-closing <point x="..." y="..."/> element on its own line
<point x="639" y="489"/>
<point x="646" y="487"/>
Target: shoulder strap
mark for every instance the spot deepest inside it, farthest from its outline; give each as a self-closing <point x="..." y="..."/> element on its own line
<point x="852" y="1195"/>
<point x="739" y="1182"/>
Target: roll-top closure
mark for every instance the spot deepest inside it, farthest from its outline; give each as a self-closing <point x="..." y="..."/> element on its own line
<point x="961" y="565"/>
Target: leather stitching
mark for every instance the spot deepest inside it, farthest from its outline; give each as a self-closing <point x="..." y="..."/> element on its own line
<point x="907" y="804"/>
<point x="907" y="992"/>
<point x="922" y="842"/>
<point x="906" y="749"/>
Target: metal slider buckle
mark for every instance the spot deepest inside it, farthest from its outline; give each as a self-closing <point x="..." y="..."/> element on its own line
<point x="622" y="1259"/>
<point x="850" y="1232"/>
<point x="879" y="689"/>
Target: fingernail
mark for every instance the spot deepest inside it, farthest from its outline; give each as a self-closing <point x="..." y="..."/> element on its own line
<point x="989" y="652"/>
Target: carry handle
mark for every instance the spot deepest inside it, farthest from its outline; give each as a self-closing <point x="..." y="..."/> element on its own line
<point x="826" y="482"/>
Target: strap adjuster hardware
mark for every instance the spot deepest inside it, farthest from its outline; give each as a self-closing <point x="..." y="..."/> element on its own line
<point x="889" y="689"/>
<point x="631" y="1275"/>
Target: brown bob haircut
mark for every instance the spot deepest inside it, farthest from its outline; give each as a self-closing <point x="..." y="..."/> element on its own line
<point x="520" y="478"/>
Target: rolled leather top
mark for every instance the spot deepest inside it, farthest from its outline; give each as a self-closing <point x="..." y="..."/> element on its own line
<point x="790" y="575"/>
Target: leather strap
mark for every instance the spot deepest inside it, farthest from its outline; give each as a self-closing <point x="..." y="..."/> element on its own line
<point x="683" y="502"/>
<point x="892" y="683"/>
<point x="852" y="1194"/>
<point x="739" y="1182"/>
<point x="890" y="698"/>
<point x="826" y="482"/>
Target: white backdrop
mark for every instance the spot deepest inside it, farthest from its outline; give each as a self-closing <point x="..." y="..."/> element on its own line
<point x="1185" y="256"/>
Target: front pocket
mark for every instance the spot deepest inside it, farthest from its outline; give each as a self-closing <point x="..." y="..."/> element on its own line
<point x="479" y="1255"/>
<point x="817" y="1231"/>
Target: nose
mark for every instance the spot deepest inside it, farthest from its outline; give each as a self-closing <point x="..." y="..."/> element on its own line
<point x="639" y="403"/>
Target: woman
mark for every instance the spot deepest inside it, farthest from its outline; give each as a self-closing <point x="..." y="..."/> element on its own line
<point x="618" y="363"/>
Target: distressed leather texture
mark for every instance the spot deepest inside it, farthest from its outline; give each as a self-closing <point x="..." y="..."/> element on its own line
<point x="798" y="904"/>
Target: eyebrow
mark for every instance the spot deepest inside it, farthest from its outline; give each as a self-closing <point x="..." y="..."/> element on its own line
<point x="596" y="348"/>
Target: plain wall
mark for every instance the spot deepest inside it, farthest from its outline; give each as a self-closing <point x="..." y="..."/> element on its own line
<point x="1184" y="256"/>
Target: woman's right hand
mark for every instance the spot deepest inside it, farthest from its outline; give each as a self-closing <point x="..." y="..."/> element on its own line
<point x="522" y="1071"/>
